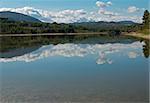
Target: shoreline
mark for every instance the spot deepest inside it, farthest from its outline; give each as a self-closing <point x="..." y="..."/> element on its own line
<point x="133" y="34"/>
<point x="137" y="35"/>
<point x="54" y="34"/>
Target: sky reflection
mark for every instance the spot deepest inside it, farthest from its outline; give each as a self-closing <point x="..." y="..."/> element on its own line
<point x="81" y="50"/>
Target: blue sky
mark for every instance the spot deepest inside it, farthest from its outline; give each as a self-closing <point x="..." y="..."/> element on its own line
<point x="118" y="6"/>
<point x="70" y="4"/>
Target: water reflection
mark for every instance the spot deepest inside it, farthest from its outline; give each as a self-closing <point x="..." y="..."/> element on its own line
<point x="146" y="49"/>
<point x="79" y="69"/>
<point x="18" y="52"/>
<point x="102" y="51"/>
<point x="29" y="49"/>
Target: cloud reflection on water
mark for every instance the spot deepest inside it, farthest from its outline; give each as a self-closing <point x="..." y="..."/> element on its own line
<point x="81" y="50"/>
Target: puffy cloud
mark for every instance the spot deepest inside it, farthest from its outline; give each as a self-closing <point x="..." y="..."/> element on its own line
<point x="25" y="10"/>
<point x="100" y="4"/>
<point x="107" y="13"/>
<point x="28" y="11"/>
<point x="70" y="16"/>
<point x="102" y="52"/>
<point x="103" y="10"/>
<point x="109" y="3"/>
<point x="133" y="9"/>
<point x="64" y="16"/>
<point x="103" y="4"/>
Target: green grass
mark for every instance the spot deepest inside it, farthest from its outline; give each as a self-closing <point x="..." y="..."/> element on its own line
<point x="145" y="31"/>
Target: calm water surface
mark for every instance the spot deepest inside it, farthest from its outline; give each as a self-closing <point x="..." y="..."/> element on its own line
<point x="82" y="72"/>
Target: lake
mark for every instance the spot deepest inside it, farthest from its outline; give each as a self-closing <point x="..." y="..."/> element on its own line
<point x="74" y="69"/>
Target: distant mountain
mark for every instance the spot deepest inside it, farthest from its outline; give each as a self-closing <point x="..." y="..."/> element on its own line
<point x="107" y="23"/>
<point x="13" y="16"/>
<point x="105" y="26"/>
<point x="127" y="22"/>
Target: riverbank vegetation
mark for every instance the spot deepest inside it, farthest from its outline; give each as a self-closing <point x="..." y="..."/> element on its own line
<point x="13" y="27"/>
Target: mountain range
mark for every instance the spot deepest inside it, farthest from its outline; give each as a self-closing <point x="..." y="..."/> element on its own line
<point x="17" y="23"/>
<point x="14" y="16"/>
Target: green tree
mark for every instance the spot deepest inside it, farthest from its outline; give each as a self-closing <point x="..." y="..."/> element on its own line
<point x="146" y="19"/>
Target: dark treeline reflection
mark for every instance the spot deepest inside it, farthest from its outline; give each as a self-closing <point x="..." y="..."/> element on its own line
<point x="25" y="44"/>
<point x="146" y="49"/>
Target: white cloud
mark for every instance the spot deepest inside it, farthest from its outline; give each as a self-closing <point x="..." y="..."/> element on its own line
<point x="109" y="3"/>
<point x="107" y="13"/>
<point x="102" y="52"/>
<point x="127" y="18"/>
<point x="70" y="16"/>
<point x="133" y="9"/>
<point x="64" y="16"/>
<point x="102" y="59"/>
<point x="133" y="54"/>
<point x="103" y="4"/>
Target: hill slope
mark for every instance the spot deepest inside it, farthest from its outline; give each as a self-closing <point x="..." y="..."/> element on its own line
<point x="13" y="16"/>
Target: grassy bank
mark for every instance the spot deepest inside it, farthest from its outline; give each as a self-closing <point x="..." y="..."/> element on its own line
<point x="138" y="35"/>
